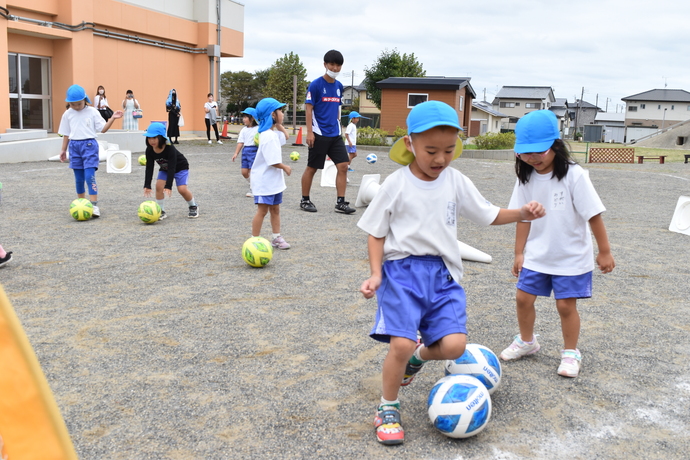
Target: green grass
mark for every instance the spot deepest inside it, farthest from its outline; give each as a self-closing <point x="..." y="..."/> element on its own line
<point x="672" y="155"/>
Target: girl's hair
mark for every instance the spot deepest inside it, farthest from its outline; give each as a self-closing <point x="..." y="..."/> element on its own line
<point x="561" y="162"/>
<point x="254" y="123"/>
<point x="209" y="94"/>
<point x="86" y="103"/>
<point x="161" y="141"/>
<point x="98" y="94"/>
<point x="129" y="91"/>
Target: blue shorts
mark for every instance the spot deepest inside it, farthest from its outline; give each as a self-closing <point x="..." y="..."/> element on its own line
<point x="269" y="199"/>
<point x="248" y="156"/>
<point x="83" y="153"/>
<point x="181" y="177"/>
<point x="351" y="149"/>
<point x="564" y="287"/>
<point x="417" y="293"/>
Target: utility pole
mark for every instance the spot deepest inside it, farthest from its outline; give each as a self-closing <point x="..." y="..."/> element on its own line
<point x="579" y="105"/>
<point x="294" y="104"/>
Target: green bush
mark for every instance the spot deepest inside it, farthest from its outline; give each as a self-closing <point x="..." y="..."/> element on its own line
<point x="495" y="141"/>
<point x="371" y="136"/>
<point x="398" y="133"/>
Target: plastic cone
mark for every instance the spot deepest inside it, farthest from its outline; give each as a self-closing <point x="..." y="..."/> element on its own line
<point x="225" y="130"/>
<point x="299" y="138"/>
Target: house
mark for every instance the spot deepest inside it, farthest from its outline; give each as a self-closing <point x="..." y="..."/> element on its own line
<point x="350" y="93"/>
<point x="400" y="94"/>
<point x="517" y="101"/>
<point x="485" y="119"/>
<point x="560" y="108"/>
<point x="657" y="108"/>
<point x="582" y="113"/>
<point x="119" y="44"/>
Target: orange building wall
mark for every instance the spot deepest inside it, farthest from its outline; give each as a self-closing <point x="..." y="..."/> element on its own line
<point x="394" y="109"/>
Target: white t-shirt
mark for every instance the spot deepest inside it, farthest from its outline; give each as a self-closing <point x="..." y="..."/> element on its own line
<point x="266" y="179"/>
<point x="212" y="108"/>
<point x="81" y="124"/>
<point x="351" y="133"/>
<point x="560" y="243"/>
<point x="100" y="102"/>
<point x="246" y="135"/>
<point x="420" y="218"/>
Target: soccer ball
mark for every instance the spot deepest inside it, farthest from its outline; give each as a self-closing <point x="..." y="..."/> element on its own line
<point x="294" y="156"/>
<point x="256" y="139"/>
<point x="149" y="212"/>
<point x="81" y="209"/>
<point x="257" y="251"/>
<point x="459" y="406"/>
<point x="480" y="362"/>
<point x="142" y="160"/>
<point x="371" y="158"/>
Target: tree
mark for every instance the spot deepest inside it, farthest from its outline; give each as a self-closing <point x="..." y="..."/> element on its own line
<point x="238" y="90"/>
<point x="390" y="64"/>
<point x="279" y="85"/>
<point x="261" y="81"/>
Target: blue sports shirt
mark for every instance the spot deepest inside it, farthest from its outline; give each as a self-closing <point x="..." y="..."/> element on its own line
<point x="326" y="99"/>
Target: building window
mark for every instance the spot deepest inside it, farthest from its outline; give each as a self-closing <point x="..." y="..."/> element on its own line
<point x="29" y="84"/>
<point x="368" y="95"/>
<point x="672" y="107"/>
<point x="517" y="104"/>
<point x="632" y="108"/>
<point x="461" y="103"/>
<point x="642" y="106"/>
<point x="659" y="107"/>
<point x="507" y="105"/>
<point x="347" y="101"/>
<point x="532" y="105"/>
<point x="416" y="98"/>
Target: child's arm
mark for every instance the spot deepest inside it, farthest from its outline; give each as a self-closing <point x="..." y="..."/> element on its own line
<point x="521" y="233"/>
<point x="63" y="152"/>
<point x="369" y="286"/>
<point x="284" y="167"/>
<point x="282" y="129"/>
<point x="604" y="258"/>
<point x="530" y="211"/>
<point x="240" y="146"/>
<point x="347" y="138"/>
<point x="117" y="114"/>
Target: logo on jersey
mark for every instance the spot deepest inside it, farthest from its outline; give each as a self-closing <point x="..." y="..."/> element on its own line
<point x="309" y="95"/>
<point x="330" y="99"/>
<point x="338" y="91"/>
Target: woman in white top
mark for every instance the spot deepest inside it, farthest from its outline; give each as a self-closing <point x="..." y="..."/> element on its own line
<point x="130" y="123"/>
<point x="211" y="109"/>
<point x="101" y="104"/>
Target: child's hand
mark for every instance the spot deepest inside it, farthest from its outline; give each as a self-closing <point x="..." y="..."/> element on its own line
<point x="234" y="156"/>
<point x="532" y="210"/>
<point x="605" y="262"/>
<point x="370" y="286"/>
<point x="167" y="192"/>
<point x="63" y="156"/>
<point x="288" y="170"/>
<point x="517" y="265"/>
<point x="117" y="114"/>
<point x="148" y="193"/>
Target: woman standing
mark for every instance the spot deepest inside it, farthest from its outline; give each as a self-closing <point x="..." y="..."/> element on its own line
<point x="211" y="118"/>
<point x="129" y="104"/>
<point x="101" y="104"/>
<point x="172" y="106"/>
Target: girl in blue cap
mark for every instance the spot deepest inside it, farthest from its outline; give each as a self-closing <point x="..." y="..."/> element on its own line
<point x="247" y="143"/>
<point x="415" y="259"/>
<point x="351" y="137"/>
<point x="172" y="166"/>
<point x="79" y="127"/>
<point x="267" y="180"/>
<point x="554" y="253"/>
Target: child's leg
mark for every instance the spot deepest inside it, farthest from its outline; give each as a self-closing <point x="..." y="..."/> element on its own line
<point x="451" y="346"/>
<point x="90" y="179"/>
<point x="258" y="220"/>
<point x="246" y="172"/>
<point x="526" y="314"/>
<point x="570" y="322"/>
<point x="275" y="217"/>
<point x="399" y="354"/>
<point x="186" y="194"/>
<point x="160" y="185"/>
<point x="79" y="183"/>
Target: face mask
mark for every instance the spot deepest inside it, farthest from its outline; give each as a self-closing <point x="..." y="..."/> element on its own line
<point x="332" y="74"/>
<point x="100" y="91"/>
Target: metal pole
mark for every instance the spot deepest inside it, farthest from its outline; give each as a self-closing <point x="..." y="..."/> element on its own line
<point x="294" y="104"/>
<point x="218" y="70"/>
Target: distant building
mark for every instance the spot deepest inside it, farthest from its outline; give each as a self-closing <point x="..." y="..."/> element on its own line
<point x="518" y="101"/>
<point x="485" y="119"/>
<point x="582" y="113"/>
<point x="657" y="108"/>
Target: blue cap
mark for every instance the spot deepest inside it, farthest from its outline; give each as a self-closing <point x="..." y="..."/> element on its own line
<point x="251" y="111"/>
<point x="356" y="115"/>
<point x="536" y="132"/>
<point x="156" y="129"/>
<point x="431" y="114"/>
<point x="76" y="93"/>
<point x="264" y="109"/>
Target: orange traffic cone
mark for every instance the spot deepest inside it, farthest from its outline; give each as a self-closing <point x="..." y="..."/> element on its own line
<point x="299" y="138"/>
<point x="225" y="131"/>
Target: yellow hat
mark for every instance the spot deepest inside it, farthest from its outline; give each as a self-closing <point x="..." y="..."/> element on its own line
<point x="401" y="155"/>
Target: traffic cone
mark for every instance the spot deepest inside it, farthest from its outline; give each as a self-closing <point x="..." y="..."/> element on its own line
<point x="225" y="131"/>
<point x="299" y="138"/>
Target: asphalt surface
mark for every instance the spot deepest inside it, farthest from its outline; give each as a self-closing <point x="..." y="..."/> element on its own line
<point x="159" y="342"/>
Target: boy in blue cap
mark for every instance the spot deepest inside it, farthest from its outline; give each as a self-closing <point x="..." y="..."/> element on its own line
<point x="414" y="255"/>
<point x="267" y="180"/>
<point x="79" y="127"/>
<point x="324" y="136"/>
<point x="351" y="137"/>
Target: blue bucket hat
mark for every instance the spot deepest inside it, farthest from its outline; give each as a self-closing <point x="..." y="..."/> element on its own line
<point x="76" y="93"/>
<point x="536" y="132"/>
<point x="251" y="111"/>
<point x="356" y="115"/>
<point x="156" y="129"/>
<point x="422" y="118"/>
<point x="264" y="109"/>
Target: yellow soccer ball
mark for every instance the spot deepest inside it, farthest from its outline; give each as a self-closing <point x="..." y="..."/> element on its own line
<point x="294" y="156"/>
<point x="149" y="212"/>
<point x="81" y="209"/>
<point x="142" y="160"/>
<point x="256" y="139"/>
<point x="257" y="251"/>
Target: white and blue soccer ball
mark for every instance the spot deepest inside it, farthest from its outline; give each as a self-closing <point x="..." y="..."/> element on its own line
<point x="459" y="406"/>
<point x="371" y="158"/>
<point x="480" y="362"/>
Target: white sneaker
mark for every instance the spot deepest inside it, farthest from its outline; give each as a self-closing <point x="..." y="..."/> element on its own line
<point x="210" y="141"/>
<point x="570" y="363"/>
<point x="519" y="348"/>
<point x="96" y="212"/>
<point x="249" y="194"/>
<point x="220" y="142"/>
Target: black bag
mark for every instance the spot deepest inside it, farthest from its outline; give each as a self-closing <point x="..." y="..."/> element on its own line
<point x="106" y="113"/>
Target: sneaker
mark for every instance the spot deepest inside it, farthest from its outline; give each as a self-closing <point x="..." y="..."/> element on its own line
<point x="96" y="212"/>
<point x="388" y="425"/>
<point x="5" y="260"/>
<point x="570" y="363"/>
<point x="280" y="243"/>
<point x="344" y="207"/>
<point x="518" y="349"/>
<point x="307" y="206"/>
<point x="350" y="170"/>
<point x="412" y="369"/>
<point x="249" y="194"/>
<point x="163" y="216"/>
<point x="220" y="142"/>
<point x="193" y="212"/>
<point x="210" y="141"/>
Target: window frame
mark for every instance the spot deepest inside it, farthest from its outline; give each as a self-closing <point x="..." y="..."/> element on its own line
<point x="426" y="95"/>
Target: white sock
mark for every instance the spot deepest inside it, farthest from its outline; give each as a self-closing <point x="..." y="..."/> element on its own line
<point x="191" y="202"/>
<point x="276" y="235"/>
<point x="161" y="203"/>
<point x="385" y="402"/>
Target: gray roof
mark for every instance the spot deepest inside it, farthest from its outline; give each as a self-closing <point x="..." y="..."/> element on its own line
<point x="665" y="95"/>
<point x="488" y="108"/>
<point x="560" y="102"/>
<point x="526" y="92"/>
<point x="582" y="105"/>
<point x="442" y="83"/>
<point x="559" y="111"/>
<point x="610" y="116"/>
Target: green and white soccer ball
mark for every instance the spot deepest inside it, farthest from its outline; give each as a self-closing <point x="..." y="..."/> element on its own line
<point x="81" y="209"/>
<point x="149" y="212"/>
<point x="257" y="251"/>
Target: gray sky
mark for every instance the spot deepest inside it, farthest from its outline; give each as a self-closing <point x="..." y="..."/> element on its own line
<point x="612" y="48"/>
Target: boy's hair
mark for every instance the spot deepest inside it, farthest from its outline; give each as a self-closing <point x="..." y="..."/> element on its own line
<point x="254" y="123"/>
<point x="333" y="57"/>
<point x="161" y="141"/>
<point x="209" y="94"/>
<point x="561" y="162"/>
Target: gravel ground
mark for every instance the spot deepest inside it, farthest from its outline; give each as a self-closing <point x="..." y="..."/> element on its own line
<point x="159" y="342"/>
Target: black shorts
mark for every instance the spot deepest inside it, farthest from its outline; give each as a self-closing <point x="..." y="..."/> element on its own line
<point x="332" y="147"/>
